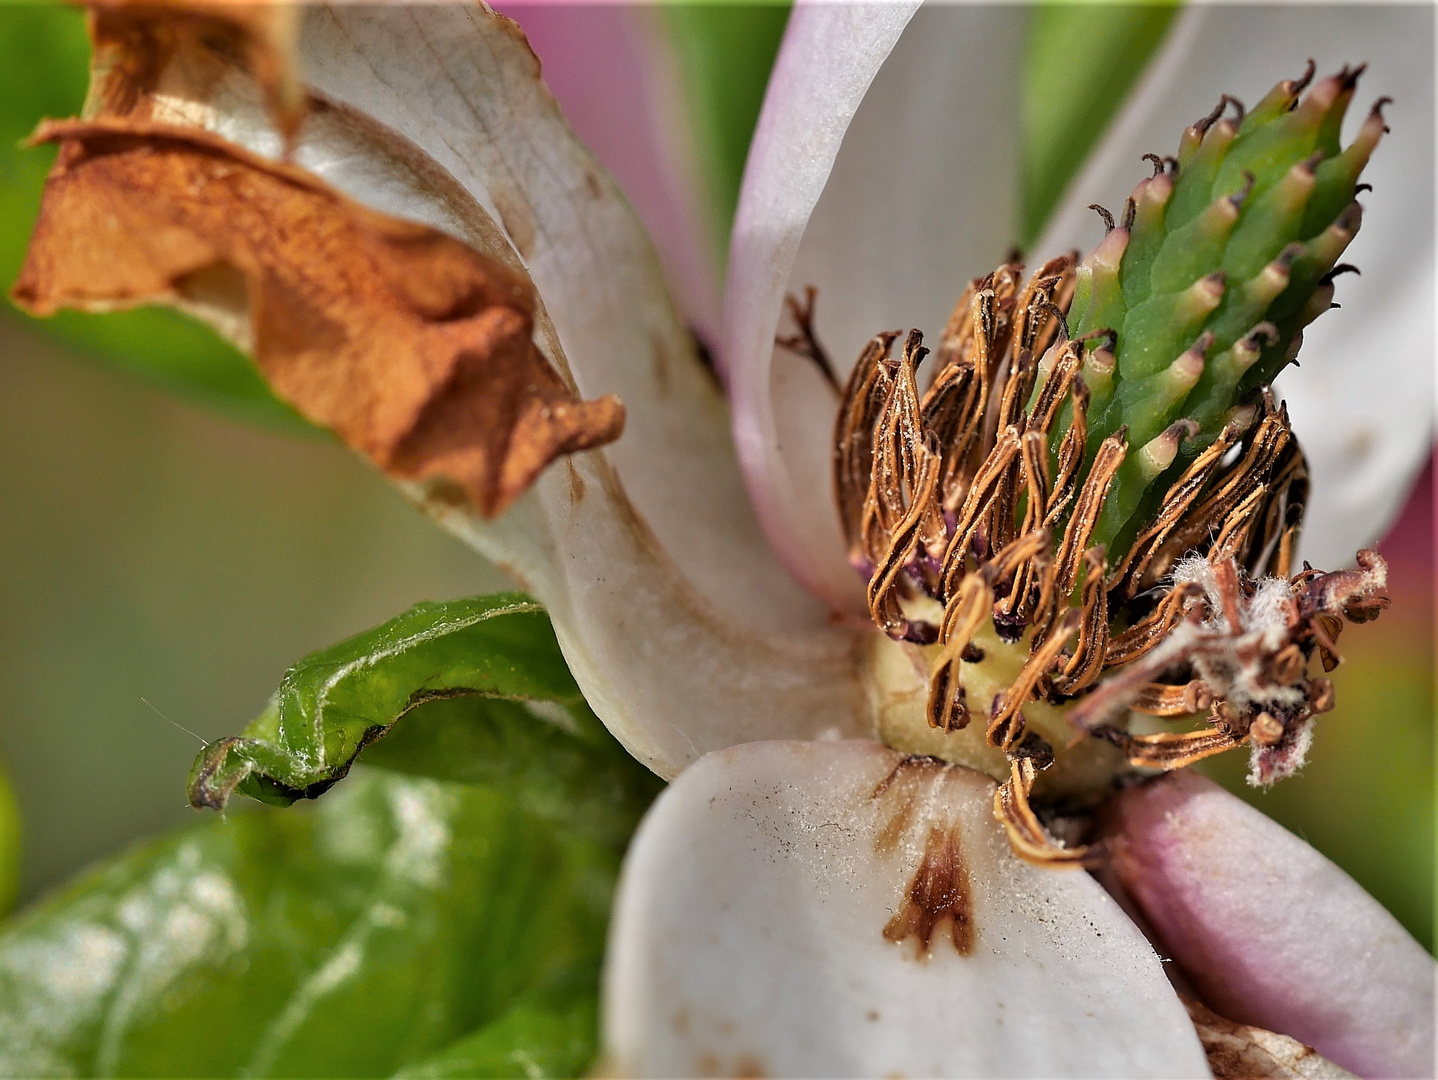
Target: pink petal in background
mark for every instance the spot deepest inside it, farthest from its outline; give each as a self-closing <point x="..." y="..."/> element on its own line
<point x="1273" y="934"/>
<point x="610" y="68"/>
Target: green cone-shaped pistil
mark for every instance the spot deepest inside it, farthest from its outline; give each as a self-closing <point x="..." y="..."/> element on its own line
<point x="1218" y="263"/>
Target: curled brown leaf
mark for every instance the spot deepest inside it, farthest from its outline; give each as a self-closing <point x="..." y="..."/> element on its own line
<point x="413" y="347"/>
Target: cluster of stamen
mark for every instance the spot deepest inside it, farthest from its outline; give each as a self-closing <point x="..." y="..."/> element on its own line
<point x="960" y="510"/>
<point x="1098" y="525"/>
<point x="1100" y="530"/>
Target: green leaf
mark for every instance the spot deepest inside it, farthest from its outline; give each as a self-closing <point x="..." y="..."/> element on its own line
<point x="559" y="764"/>
<point x="501" y="709"/>
<point x="1080" y="61"/>
<point x="549" y="1033"/>
<point x="355" y="937"/>
<point x="44" y="65"/>
<point x="9" y="845"/>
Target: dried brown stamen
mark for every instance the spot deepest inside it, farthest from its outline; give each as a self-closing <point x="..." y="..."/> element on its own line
<point x="1185" y="490"/>
<point x="804" y="341"/>
<point x="1170" y="750"/>
<point x="864" y="397"/>
<point x="965" y="494"/>
<point x="1026" y="833"/>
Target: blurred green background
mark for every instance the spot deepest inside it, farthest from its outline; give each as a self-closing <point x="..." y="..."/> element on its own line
<point x="174" y="537"/>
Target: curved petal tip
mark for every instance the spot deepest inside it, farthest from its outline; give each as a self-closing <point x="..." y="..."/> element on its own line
<point x="1272" y="933"/>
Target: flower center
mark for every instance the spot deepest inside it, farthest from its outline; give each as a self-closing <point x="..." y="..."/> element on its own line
<point x="1082" y="527"/>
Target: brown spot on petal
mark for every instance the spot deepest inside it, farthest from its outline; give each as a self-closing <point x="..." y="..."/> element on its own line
<point x="576" y="485"/>
<point x="938" y="894"/>
<point x="413" y="347"/>
<point x="899" y="790"/>
<point x="709" y="1063"/>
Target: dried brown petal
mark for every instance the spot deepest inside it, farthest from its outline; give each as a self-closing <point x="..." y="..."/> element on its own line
<point x="180" y="48"/>
<point x="412" y="346"/>
<point x="1243" y="1052"/>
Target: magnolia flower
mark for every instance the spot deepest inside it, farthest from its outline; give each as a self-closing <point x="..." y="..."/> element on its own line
<point x="420" y="254"/>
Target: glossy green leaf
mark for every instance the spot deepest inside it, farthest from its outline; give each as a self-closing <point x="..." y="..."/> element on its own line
<point x="558" y="763"/>
<point x="397" y="920"/>
<point x="9" y="845"/>
<point x="501" y="709"/>
<point x="1080" y="61"/>
<point x="547" y="1033"/>
<point x="44" y="63"/>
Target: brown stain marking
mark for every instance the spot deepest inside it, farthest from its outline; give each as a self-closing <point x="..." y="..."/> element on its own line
<point x="593" y="183"/>
<point x="900" y="788"/>
<point x="939" y="891"/>
<point x="680" y="1022"/>
<point x="747" y="1066"/>
<point x="576" y="484"/>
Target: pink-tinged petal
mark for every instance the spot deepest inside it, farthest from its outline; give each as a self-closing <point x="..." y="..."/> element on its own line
<point x="1363" y="400"/>
<point x="767" y="925"/>
<point x="616" y="79"/>
<point x="884" y="172"/>
<point x="1273" y="934"/>
<point x="683" y="630"/>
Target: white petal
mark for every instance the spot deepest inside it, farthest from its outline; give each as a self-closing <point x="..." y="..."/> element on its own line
<point x="684" y="632"/>
<point x="890" y="227"/>
<point x="748" y="937"/>
<point x="617" y="81"/>
<point x="1363" y="400"/>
